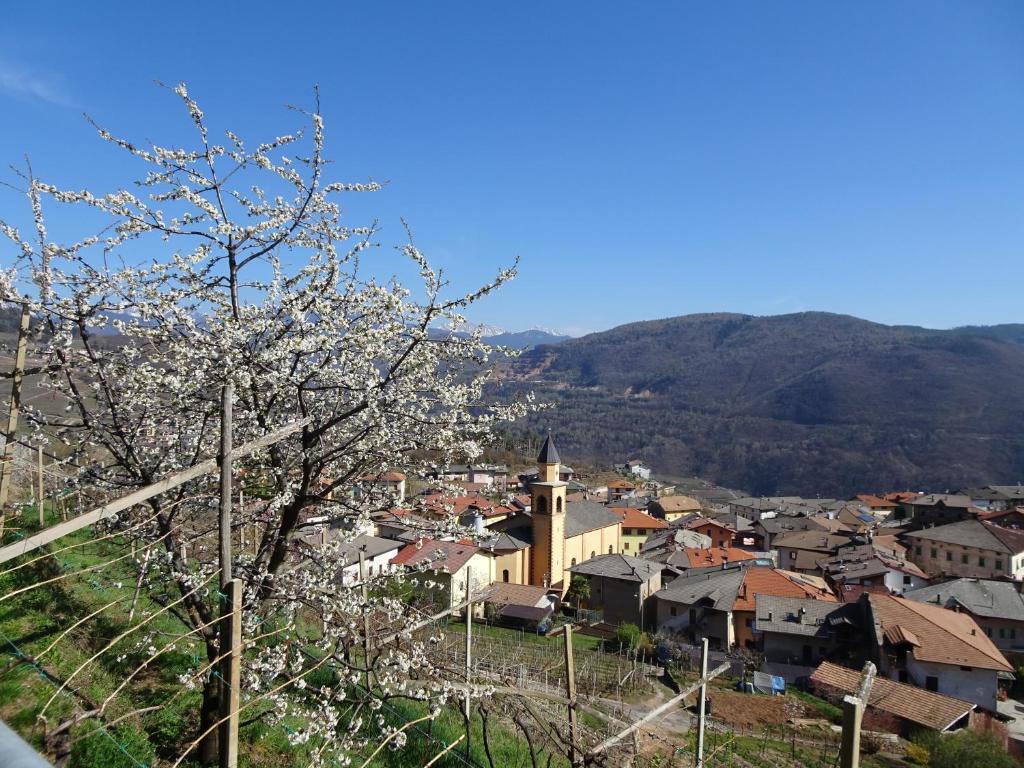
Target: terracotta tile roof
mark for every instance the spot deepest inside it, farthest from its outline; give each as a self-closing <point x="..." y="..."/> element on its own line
<point x="447" y="556"/>
<point x="706" y="558"/>
<point x="440" y="502"/>
<point x="771" y="581"/>
<point x="875" y="502"/>
<point x="916" y="705"/>
<point x="384" y="477"/>
<point x="673" y="504"/>
<point x="637" y="518"/>
<point x="945" y="636"/>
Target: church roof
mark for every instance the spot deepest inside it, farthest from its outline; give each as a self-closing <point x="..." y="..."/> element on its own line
<point x="548" y="453"/>
<point x="583" y="516"/>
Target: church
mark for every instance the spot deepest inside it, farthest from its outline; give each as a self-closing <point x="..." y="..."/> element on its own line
<point x="540" y="546"/>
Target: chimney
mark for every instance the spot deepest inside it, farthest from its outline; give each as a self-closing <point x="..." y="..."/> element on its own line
<point x="800" y="614"/>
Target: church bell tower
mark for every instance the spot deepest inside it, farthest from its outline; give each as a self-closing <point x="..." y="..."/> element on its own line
<point x="547" y="503"/>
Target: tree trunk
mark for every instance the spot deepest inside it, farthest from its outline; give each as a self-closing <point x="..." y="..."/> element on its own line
<point x="208" y="715"/>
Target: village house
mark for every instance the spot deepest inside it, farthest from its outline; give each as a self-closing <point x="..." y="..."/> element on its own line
<point x="1007" y="518"/>
<point x="484" y="475"/>
<point x="720" y="603"/>
<point x="620" y="489"/>
<point x="520" y="606"/>
<point x="637" y="525"/>
<point x="766" y="529"/>
<point x="928" y="509"/>
<point x="996" y="498"/>
<point x="806" y="631"/>
<point x="541" y="546"/>
<point x="878" y="506"/>
<point x="867" y="566"/>
<point x="672" y="508"/>
<point x="972" y="548"/>
<point x="801" y="550"/>
<point x="391" y="483"/>
<point x="634" y="468"/>
<point x="934" y="648"/>
<point x="743" y="529"/>
<point x="622" y="587"/>
<point x="912" y="708"/>
<point x="721" y="535"/>
<point x="996" y="606"/>
<point x="445" y="566"/>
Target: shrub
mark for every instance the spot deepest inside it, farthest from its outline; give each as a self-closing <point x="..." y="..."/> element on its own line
<point x="916" y="754"/>
<point x="966" y="748"/>
<point x="627" y="636"/>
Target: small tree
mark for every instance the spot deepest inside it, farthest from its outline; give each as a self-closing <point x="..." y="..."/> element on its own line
<point x="627" y="635"/>
<point x="231" y="263"/>
<point x="579" y="590"/>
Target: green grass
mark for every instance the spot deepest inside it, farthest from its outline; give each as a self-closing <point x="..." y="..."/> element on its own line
<point x="825" y="709"/>
<point x="579" y="641"/>
<point x="32" y="620"/>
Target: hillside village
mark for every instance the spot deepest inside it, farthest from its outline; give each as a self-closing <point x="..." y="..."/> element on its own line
<point x="925" y="585"/>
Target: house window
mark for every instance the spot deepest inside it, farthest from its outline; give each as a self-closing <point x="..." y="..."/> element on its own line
<point x="1013" y="633"/>
<point x="672" y="611"/>
<point x="934" y="553"/>
<point x="1002" y="633"/>
<point x="917" y="549"/>
<point x="907" y="580"/>
<point x="626" y="545"/>
<point x="999" y="565"/>
<point x="931" y="683"/>
<point x="965" y="669"/>
<point x="981" y="561"/>
<point x="792" y="555"/>
<point x="963" y="558"/>
<point x="504" y="575"/>
<point x="949" y="557"/>
<point x="988" y="631"/>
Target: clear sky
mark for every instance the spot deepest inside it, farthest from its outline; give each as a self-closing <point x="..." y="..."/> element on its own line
<point x="643" y="159"/>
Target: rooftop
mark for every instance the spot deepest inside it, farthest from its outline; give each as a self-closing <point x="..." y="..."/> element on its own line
<point x="974" y="533"/>
<point x="981" y="597"/>
<point x="636" y="518"/>
<point x="622" y="567"/>
<point x="447" y="556"/>
<point x="916" y="705"/>
<point x="945" y="637"/>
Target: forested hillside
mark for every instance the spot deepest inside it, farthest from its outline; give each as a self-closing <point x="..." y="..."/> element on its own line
<point x="808" y="403"/>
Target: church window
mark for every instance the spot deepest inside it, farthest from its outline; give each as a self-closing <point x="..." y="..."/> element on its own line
<point x="610" y="549"/>
<point x="542" y="505"/>
<point x="593" y="554"/>
<point x="558" y="504"/>
<point x="504" y="575"/>
<point x="573" y="561"/>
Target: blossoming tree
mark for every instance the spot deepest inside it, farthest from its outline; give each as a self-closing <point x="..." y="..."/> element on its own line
<point x="231" y="263"/>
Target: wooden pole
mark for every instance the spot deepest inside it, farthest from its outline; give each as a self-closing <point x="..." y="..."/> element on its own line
<point x="231" y="601"/>
<point x="230" y="672"/>
<point x="366" y="617"/>
<point x="469" y="652"/>
<point x="7" y="461"/>
<point x="110" y="509"/>
<point x="41" y="495"/>
<point x="570" y="691"/>
<point x="853" y="714"/>
<point x="701" y="696"/>
<point x="224" y="459"/>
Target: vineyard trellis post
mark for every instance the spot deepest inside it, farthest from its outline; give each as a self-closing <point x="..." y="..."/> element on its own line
<point x="42" y="491"/>
<point x="853" y="714"/>
<point x="701" y="703"/>
<point x="469" y="654"/>
<point x="231" y="600"/>
<point x="570" y="691"/>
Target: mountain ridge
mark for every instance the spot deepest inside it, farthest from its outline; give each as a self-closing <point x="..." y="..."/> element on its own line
<point x="806" y="402"/>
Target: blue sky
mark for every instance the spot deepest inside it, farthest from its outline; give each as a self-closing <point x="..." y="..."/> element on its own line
<point x="643" y="160"/>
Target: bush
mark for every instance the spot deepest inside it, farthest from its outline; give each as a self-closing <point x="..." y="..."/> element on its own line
<point x="916" y="754"/>
<point x="627" y="636"/>
<point x="966" y="748"/>
<point x="123" y="747"/>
